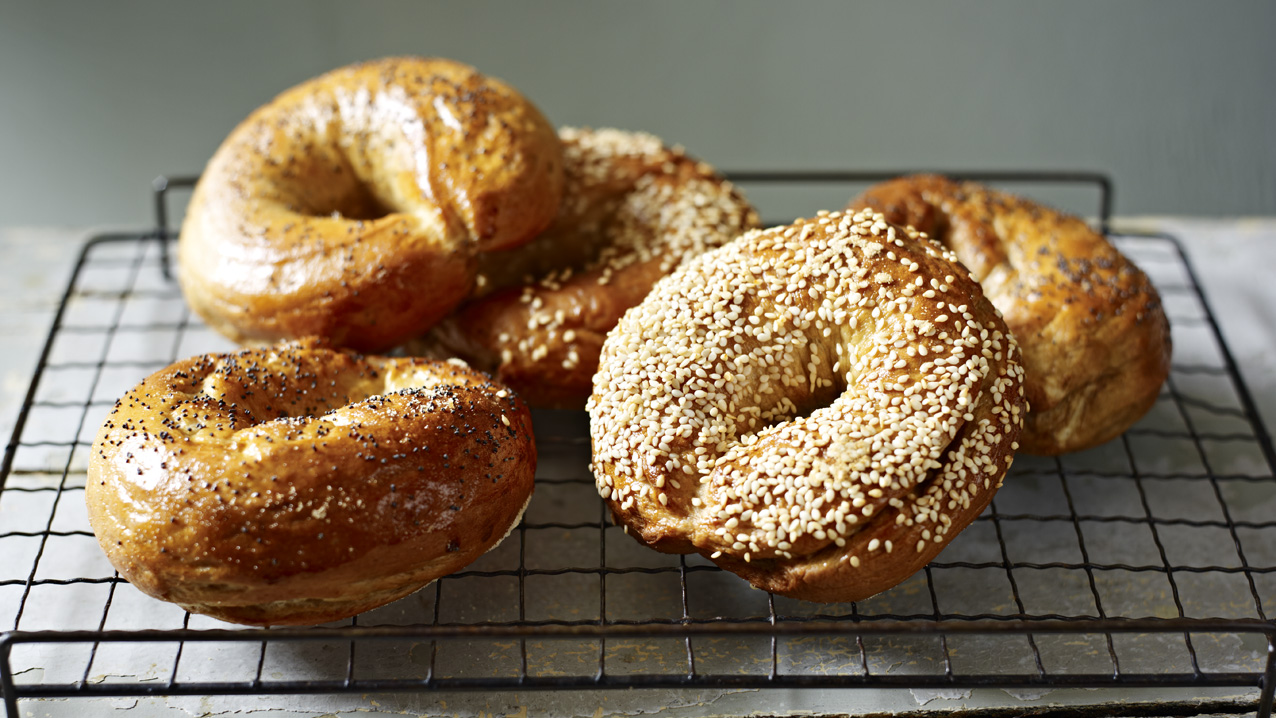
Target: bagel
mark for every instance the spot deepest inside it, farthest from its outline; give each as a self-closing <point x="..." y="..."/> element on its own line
<point x="351" y="206"/>
<point x="296" y="484"/>
<point x="818" y="407"/>
<point x="1095" y="340"/>
<point x="633" y="209"/>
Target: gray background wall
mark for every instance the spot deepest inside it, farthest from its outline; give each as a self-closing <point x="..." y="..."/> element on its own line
<point x="1176" y="100"/>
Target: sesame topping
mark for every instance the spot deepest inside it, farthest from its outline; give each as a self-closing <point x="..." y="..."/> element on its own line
<point x="802" y="392"/>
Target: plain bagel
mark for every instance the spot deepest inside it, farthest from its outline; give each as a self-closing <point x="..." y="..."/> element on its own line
<point x="1095" y="340"/>
<point x="351" y="207"/>
<point x="296" y="484"/>
<point x="818" y="407"/>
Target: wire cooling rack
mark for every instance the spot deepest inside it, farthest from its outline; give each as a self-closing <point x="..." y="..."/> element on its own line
<point x="1149" y="561"/>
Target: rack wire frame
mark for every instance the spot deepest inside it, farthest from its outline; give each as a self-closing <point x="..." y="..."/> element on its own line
<point x="773" y="624"/>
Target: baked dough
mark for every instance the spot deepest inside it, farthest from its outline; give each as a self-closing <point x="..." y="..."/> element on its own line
<point x="352" y="206"/>
<point x="296" y="484"/>
<point x="633" y="209"/>
<point x="1095" y="340"/>
<point x="818" y="407"/>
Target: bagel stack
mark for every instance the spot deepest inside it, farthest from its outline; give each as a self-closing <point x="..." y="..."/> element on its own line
<point x="818" y="407"/>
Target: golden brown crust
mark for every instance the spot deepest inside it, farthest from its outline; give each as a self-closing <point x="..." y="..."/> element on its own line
<point x="1095" y="340"/>
<point x="633" y="209"/>
<point x="296" y="484"/>
<point x="351" y="206"/>
<point x="819" y="408"/>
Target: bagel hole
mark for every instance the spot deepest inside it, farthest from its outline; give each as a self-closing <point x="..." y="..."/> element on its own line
<point x="331" y="188"/>
<point x="555" y="250"/>
<point x="576" y="241"/>
<point x="806" y="406"/>
<point x="358" y="203"/>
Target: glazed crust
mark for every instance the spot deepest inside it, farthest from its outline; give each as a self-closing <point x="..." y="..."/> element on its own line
<point x="1095" y="340"/>
<point x="298" y="485"/>
<point x="819" y="408"/>
<point x="351" y="207"/>
<point x="633" y="209"/>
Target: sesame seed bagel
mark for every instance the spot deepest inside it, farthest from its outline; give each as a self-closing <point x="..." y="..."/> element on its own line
<point x="351" y="206"/>
<point x="633" y="209"/>
<point x="296" y="484"/>
<point x="1095" y="340"/>
<point x="818" y="407"/>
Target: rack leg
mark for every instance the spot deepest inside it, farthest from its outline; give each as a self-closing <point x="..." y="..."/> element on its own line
<point x="1269" y="680"/>
<point x="7" y="687"/>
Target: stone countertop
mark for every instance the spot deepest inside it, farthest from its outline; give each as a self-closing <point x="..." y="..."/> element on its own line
<point x="1232" y="259"/>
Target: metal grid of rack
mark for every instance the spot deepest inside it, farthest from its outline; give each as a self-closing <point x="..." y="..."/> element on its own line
<point x="1150" y="561"/>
